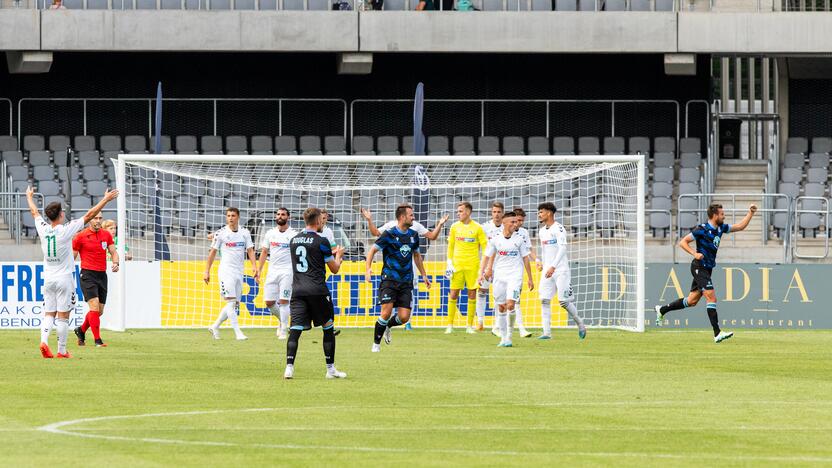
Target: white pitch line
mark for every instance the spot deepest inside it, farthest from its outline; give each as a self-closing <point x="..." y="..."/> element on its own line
<point x="57" y="428"/>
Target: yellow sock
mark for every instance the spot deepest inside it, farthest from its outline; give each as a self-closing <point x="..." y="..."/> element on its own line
<point x="472" y="311"/>
<point x="451" y="311"/>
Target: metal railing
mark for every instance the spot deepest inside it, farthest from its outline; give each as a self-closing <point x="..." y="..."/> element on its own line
<point x="311" y="5"/>
<point x="806" y="5"/>
<point x="710" y="182"/>
<point x="821" y="213"/>
<point x="670" y="230"/>
<point x="222" y="116"/>
<point x="12" y="206"/>
<point x="482" y="111"/>
<point x="765" y="208"/>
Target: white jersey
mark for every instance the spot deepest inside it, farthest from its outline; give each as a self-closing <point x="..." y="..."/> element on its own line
<point x="234" y="246"/>
<point x="56" y="244"/>
<point x="553" y="246"/>
<point x="510" y="253"/>
<point x="492" y="230"/>
<point x="527" y="239"/>
<point x="277" y="243"/>
<point x="329" y="235"/>
<point x="417" y="226"/>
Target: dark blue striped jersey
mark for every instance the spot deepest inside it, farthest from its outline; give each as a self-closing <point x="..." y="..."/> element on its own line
<point x="398" y="248"/>
<point x="707" y="241"/>
<point x="310" y="252"/>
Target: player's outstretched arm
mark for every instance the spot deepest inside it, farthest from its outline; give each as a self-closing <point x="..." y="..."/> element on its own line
<point x="527" y="264"/>
<point x="684" y="244"/>
<point x="109" y="196"/>
<point x="335" y="264"/>
<point x="420" y="265"/>
<point x="30" y="193"/>
<point x="740" y="226"/>
<point x="212" y="254"/>
<point x="365" y="213"/>
<point x="433" y="235"/>
<point x="368" y="272"/>
<point x="253" y="260"/>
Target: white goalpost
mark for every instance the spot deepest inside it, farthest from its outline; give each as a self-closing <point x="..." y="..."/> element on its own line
<point x="169" y="205"/>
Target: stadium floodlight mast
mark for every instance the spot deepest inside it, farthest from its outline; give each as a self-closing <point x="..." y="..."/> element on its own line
<point x="169" y="205"/>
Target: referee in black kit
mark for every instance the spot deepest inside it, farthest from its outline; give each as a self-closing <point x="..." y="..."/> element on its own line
<point x="311" y="304"/>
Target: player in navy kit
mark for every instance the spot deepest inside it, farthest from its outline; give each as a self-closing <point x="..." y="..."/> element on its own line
<point x="311" y="303"/>
<point x="707" y="237"/>
<point x="400" y="247"/>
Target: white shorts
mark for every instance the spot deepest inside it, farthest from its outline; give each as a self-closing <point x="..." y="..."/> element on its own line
<point x="231" y="286"/>
<point x="507" y="289"/>
<point x="59" y="294"/>
<point x="485" y="284"/>
<point x="278" y="287"/>
<point x="560" y="284"/>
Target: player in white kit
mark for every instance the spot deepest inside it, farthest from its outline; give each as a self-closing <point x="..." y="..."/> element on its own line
<point x="492" y="228"/>
<point x="421" y="230"/>
<point x="278" y="287"/>
<point x="507" y="256"/>
<point x="517" y="316"/>
<point x="59" y="266"/>
<point x="556" y="277"/>
<point x="235" y="242"/>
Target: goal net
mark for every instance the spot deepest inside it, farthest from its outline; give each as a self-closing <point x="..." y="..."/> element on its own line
<point x="170" y="205"/>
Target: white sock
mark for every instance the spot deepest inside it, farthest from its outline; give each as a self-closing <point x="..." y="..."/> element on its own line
<point x="546" y="315"/>
<point x="573" y="312"/>
<point x="231" y="309"/>
<point x="481" y="300"/>
<point x="518" y="316"/>
<point x="221" y="318"/>
<point x="274" y="309"/>
<point x="63" y="329"/>
<point x="506" y="327"/>
<point x="502" y="325"/>
<point x="285" y="316"/>
<point x="511" y="320"/>
<point x="46" y="328"/>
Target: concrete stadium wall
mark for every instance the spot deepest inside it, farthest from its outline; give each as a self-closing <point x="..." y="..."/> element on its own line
<point x="515" y="32"/>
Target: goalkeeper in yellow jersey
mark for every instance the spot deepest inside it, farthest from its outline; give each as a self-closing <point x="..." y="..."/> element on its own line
<point x="466" y="245"/>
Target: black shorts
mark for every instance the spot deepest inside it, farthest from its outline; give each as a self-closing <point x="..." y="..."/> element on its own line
<point x="311" y="310"/>
<point x="94" y="284"/>
<point x="701" y="278"/>
<point x="399" y="294"/>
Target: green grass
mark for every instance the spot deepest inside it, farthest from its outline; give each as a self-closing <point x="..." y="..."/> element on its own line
<point x="624" y="399"/>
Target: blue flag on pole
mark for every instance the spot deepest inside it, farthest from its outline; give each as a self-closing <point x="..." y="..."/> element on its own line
<point x="420" y="198"/>
<point x="160" y="242"/>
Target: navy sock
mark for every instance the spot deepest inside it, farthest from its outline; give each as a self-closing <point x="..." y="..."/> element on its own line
<point x="329" y="345"/>
<point x="292" y="345"/>
<point x="678" y="304"/>
<point x="713" y="317"/>
<point x="394" y="322"/>
<point x="381" y="326"/>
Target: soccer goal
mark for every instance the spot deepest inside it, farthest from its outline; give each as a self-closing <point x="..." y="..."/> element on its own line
<point x="169" y="205"/>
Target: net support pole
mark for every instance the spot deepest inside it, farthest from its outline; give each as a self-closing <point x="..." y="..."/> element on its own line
<point x="640" y="247"/>
<point x="121" y="185"/>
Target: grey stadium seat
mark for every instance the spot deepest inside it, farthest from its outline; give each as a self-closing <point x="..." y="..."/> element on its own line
<point x="186" y="144"/>
<point x="817" y="175"/>
<point x="96" y="188"/>
<point x="89" y="158"/>
<point x="437" y="144"/>
<point x="810" y="222"/>
<point x="663" y="174"/>
<point x="690" y="145"/>
<point x="93" y="173"/>
<point x="538" y="145"/>
<point x="615" y="5"/>
<point x="285" y="144"/>
<point x="686" y="188"/>
<point x="690" y="160"/>
<point x="40" y="158"/>
<point x="797" y="145"/>
<point x="170" y="4"/>
<point x="589" y="5"/>
<point x="244" y="5"/>
<point x="362" y="144"/>
<point x="818" y="160"/>
<point x="794" y="161"/>
<point x="34" y="143"/>
<point x="639" y="5"/>
<point x="8" y="143"/>
<point x="75" y="174"/>
<point x="614" y="145"/>
<point x="488" y="145"/>
<point x="59" y="143"/>
<point x="663" y="160"/>
<point x="662" y="189"/>
<point x="588" y="145"/>
<point x="542" y="5"/>
<point x="49" y="187"/>
<point x="513" y="145"/>
<point x="261" y="144"/>
<point x="388" y="144"/>
<point x="77" y="187"/>
<point x="135" y="144"/>
<point x="665" y="5"/>
<point x="41" y="173"/>
<point x="12" y="157"/>
<point x="18" y="173"/>
<point x="822" y="145"/>
<point x="210" y="144"/>
<point x="145" y="4"/>
<point x="110" y="143"/>
<point x="236" y="144"/>
<point x="407" y="145"/>
<point x="81" y="202"/>
<point x="563" y="145"/>
<point x="639" y="145"/>
<point x="463" y="145"/>
<point x="791" y="175"/>
<point x="335" y="144"/>
<point x="165" y="144"/>
<point x="84" y="143"/>
<point x="660" y="222"/>
<point x="664" y="145"/>
<point x="781" y="216"/>
<point x="293" y="4"/>
<point x="310" y="144"/>
<point x="814" y="190"/>
<point x="689" y="174"/>
<point x="220" y="4"/>
<point x="566" y="5"/>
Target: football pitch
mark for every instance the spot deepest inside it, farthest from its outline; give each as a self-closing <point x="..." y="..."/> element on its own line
<point x="179" y="398"/>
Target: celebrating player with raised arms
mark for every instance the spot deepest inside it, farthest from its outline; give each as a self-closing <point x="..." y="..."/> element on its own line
<point x="492" y="228"/>
<point x="278" y="287"/>
<point x="556" y="277"/>
<point x="707" y="237"/>
<point x="235" y="242"/>
<point x="311" y="302"/>
<point x="58" y="266"/>
<point x="400" y="248"/>
<point x="466" y="243"/>
<point x="507" y="256"/>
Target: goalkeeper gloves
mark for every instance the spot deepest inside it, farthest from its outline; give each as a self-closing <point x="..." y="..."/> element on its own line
<point x="449" y="269"/>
